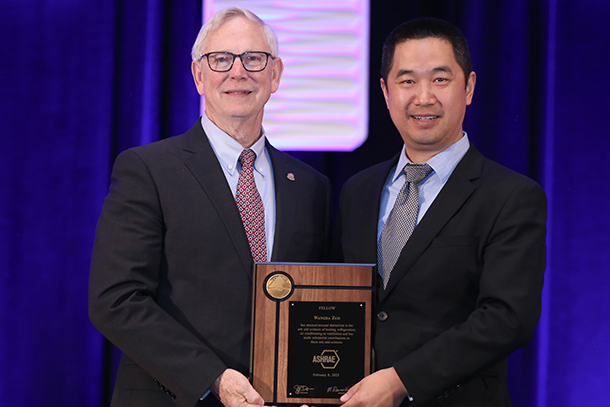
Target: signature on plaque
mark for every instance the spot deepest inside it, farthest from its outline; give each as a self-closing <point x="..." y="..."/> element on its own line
<point x="302" y="389"/>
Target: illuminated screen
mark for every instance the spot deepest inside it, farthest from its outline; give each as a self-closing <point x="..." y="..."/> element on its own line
<point x="322" y="102"/>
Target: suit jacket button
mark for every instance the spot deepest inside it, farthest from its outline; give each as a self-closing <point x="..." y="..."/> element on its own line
<point x="382" y="316"/>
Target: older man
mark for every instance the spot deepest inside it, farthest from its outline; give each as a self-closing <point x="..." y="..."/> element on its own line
<point x="459" y="239"/>
<point x="184" y="221"/>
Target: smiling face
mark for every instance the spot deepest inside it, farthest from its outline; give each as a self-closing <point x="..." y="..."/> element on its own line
<point x="427" y="95"/>
<point x="237" y="97"/>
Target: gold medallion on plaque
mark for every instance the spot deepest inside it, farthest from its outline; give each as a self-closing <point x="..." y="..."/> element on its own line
<point x="278" y="286"/>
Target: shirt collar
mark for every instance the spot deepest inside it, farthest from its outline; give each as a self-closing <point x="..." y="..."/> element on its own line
<point x="228" y="150"/>
<point x="442" y="163"/>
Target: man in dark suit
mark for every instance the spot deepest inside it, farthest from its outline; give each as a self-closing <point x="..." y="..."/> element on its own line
<point x="171" y="272"/>
<point x="464" y="291"/>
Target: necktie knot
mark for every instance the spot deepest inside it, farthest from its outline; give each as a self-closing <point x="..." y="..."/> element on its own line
<point x="417" y="172"/>
<point x="246" y="158"/>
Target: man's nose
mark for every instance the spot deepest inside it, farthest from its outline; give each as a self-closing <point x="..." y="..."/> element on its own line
<point x="425" y="94"/>
<point x="238" y="68"/>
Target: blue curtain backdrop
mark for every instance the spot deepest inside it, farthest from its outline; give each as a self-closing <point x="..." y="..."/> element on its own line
<point x="85" y="80"/>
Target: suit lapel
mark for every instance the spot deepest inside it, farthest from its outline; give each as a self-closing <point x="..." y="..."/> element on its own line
<point x="452" y="196"/>
<point x="286" y="196"/>
<point x="204" y="166"/>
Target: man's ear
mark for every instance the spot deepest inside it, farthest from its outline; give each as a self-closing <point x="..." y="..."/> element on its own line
<point x="472" y="81"/>
<point x="276" y="72"/>
<point x="384" y="89"/>
<point x="197" y="76"/>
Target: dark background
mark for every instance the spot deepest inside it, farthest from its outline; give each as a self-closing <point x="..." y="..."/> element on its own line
<point x="83" y="80"/>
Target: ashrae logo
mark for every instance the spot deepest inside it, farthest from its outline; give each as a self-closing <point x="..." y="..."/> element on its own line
<point x="328" y="359"/>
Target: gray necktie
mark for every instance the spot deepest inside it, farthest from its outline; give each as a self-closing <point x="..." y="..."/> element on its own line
<point x="401" y="221"/>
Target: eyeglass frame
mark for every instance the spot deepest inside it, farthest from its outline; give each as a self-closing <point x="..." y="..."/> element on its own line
<point x="235" y="56"/>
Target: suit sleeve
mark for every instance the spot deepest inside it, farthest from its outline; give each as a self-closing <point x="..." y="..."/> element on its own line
<point x="512" y="262"/>
<point x="127" y="265"/>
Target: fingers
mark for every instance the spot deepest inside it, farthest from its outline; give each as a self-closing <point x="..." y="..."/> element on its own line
<point x="234" y="390"/>
<point x="381" y="389"/>
<point x="251" y="396"/>
<point x="350" y="393"/>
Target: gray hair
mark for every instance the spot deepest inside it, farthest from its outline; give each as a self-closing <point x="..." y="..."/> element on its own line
<point x="225" y="15"/>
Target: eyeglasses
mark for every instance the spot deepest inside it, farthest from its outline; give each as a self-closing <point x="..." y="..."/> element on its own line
<point x="252" y="61"/>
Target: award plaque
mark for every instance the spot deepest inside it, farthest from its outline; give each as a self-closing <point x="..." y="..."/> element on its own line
<point x="311" y="331"/>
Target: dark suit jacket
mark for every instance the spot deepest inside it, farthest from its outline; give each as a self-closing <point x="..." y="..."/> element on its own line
<point x="171" y="271"/>
<point x="466" y="289"/>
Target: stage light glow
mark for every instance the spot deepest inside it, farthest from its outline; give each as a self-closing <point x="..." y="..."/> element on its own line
<point x="322" y="102"/>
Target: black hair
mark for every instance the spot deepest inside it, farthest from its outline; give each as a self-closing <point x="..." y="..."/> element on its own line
<point x="422" y="28"/>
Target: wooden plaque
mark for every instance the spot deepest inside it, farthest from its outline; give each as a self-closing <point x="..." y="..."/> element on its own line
<point x="311" y="331"/>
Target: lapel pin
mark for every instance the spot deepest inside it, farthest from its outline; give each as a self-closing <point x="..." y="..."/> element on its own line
<point x="290" y="176"/>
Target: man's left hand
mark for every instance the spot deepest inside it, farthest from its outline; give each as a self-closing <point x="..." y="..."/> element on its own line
<point x="381" y="389"/>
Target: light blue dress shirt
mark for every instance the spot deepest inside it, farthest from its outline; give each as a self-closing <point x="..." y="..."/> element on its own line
<point x="442" y="165"/>
<point x="227" y="150"/>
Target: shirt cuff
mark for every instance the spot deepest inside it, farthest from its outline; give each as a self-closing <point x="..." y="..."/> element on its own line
<point x="204" y="395"/>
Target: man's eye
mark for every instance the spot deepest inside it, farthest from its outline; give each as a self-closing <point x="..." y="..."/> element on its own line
<point x="440" y="80"/>
<point x="253" y="58"/>
<point x="220" y="60"/>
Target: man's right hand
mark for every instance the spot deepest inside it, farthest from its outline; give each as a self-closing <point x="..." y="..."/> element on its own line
<point x="234" y="390"/>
